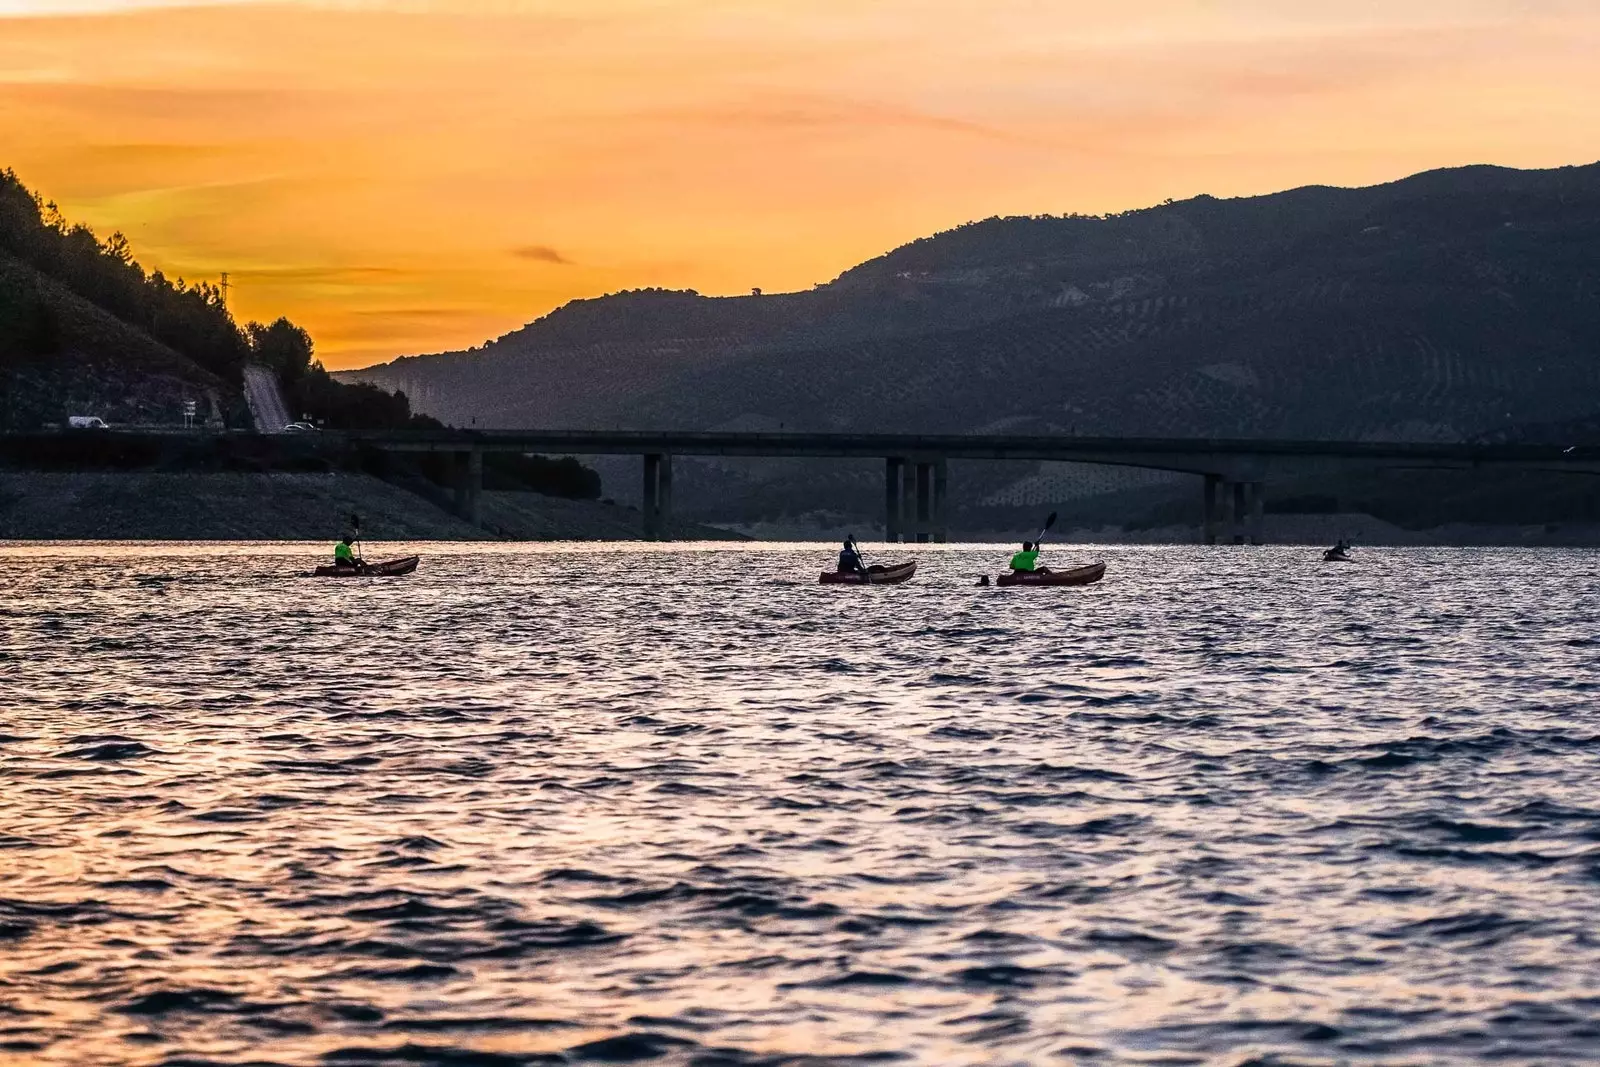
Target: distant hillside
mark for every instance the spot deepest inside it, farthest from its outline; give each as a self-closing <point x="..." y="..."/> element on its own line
<point x="1444" y="306"/>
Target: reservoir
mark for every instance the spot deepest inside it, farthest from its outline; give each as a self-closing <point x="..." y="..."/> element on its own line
<point x="679" y="804"/>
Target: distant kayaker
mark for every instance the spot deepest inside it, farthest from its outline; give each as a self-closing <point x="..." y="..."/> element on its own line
<point x="850" y="560"/>
<point x="344" y="555"/>
<point x="1338" y="553"/>
<point x="1027" y="561"/>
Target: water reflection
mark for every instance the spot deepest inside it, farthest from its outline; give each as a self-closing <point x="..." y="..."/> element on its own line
<point x="603" y="803"/>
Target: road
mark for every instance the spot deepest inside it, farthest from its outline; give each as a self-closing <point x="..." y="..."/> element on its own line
<point x="265" y="398"/>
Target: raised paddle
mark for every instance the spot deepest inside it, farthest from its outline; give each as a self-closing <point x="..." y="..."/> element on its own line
<point x="355" y="527"/>
<point x="1048" y="523"/>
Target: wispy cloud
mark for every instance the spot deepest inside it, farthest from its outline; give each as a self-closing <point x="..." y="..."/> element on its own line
<point x="541" y="254"/>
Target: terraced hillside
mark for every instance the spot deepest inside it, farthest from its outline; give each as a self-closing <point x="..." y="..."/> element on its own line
<point x="1451" y="305"/>
<point x="1442" y="306"/>
<point x="1410" y="346"/>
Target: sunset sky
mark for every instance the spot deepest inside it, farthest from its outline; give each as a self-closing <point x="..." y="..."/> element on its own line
<point x="412" y="176"/>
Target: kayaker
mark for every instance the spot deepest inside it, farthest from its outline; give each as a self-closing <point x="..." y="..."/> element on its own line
<point x="344" y="555"/>
<point x="1338" y="553"/>
<point x="1027" y="561"/>
<point x="850" y="560"/>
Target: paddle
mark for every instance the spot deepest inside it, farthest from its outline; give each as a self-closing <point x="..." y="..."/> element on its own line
<point x="1048" y="523"/>
<point x="355" y="526"/>
<point x="866" y="577"/>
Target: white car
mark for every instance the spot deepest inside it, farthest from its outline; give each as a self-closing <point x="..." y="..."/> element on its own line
<point x="86" y="422"/>
<point x="299" y="427"/>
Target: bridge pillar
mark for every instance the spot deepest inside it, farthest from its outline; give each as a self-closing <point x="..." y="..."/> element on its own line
<point x="650" y="506"/>
<point x="941" y="494"/>
<point x="893" y="498"/>
<point x="924" y="502"/>
<point x="908" y="502"/>
<point x="656" y="507"/>
<point x="1258" y="513"/>
<point x="469" y="485"/>
<point x="1241" y="509"/>
<point x="1213" y="491"/>
<point x="664" y="499"/>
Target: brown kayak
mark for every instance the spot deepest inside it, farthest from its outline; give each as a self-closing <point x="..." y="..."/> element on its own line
<point x="1085" y="575"/>
<point x="877" y="575"/>
<point x="387" y="569"/>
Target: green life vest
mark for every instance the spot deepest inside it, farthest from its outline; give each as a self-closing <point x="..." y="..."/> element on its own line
<point x="343" y="553"/>
<point x="1025" y="561"/>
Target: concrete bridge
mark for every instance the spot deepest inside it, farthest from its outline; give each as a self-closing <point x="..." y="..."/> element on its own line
<point x="1234" y="473"/>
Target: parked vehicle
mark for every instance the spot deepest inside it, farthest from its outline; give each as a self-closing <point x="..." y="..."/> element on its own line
<point x="299" y="427"/>
<point x="86" y="422"/>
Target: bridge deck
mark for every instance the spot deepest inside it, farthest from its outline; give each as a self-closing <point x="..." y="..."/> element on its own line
<point x="916" y="462"/>
<point x="1194" y="455"/>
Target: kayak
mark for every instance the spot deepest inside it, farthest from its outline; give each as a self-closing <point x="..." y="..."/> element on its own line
<point x="876" y="575"/>
<point x="1085" y="575"/>
<point x="1329" y="557"/>
<point x="391" y="568"/>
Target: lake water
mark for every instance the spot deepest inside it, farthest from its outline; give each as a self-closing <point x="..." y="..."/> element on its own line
<point x="682" y="805"/>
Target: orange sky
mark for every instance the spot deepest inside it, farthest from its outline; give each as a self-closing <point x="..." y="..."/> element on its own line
<point x="411" y="176"/>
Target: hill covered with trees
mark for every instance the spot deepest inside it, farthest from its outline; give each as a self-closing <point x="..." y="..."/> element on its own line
<point x="1443" y="306"/>
<point x="1453" y="305"/>
<point x="85" y="329"/>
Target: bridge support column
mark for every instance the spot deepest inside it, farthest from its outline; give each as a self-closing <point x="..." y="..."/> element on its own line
<point x="1213" y="491"/>
<point x="941" y="495"/>
<point x="893" y="498"/>
<point x="924" y="502"/>
<point x="1258" y="513"/>
<point x="650" y="505"/>
<point x="469" y="486"/>
<point x="664" y="500"/>
<point x="1240" y="510"/>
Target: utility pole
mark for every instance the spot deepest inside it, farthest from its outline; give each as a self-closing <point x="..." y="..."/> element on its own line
<point x="226" y="287"/>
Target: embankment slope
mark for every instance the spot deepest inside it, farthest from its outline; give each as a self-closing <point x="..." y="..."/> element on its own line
<point x="274" y="506"/>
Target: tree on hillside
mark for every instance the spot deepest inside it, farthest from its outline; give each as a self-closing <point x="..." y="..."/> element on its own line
<point x="192" y="319"/>
<point x="283" y="347"/>
<point x="27" y="327"/>
<point x="310" y="390"/>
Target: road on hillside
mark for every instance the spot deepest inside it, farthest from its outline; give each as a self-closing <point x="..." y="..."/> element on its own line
<point x="265" y="398"/>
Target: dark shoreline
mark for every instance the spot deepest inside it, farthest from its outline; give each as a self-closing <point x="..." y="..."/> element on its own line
<point x="287" y="506"/>
<point x="300" y="506"/>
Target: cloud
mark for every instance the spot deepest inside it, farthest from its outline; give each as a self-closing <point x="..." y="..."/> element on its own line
<point x="541" y="254"/>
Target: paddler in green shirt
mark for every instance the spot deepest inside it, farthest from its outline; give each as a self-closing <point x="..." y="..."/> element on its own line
<point x="1027" y="561"/>
<point x="344" y="555"/>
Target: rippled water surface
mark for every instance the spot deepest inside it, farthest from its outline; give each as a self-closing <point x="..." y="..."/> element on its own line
<point x="629" y="804"/>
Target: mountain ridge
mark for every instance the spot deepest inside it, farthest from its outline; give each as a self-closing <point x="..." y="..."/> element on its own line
<point x="1438" y="264"/>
